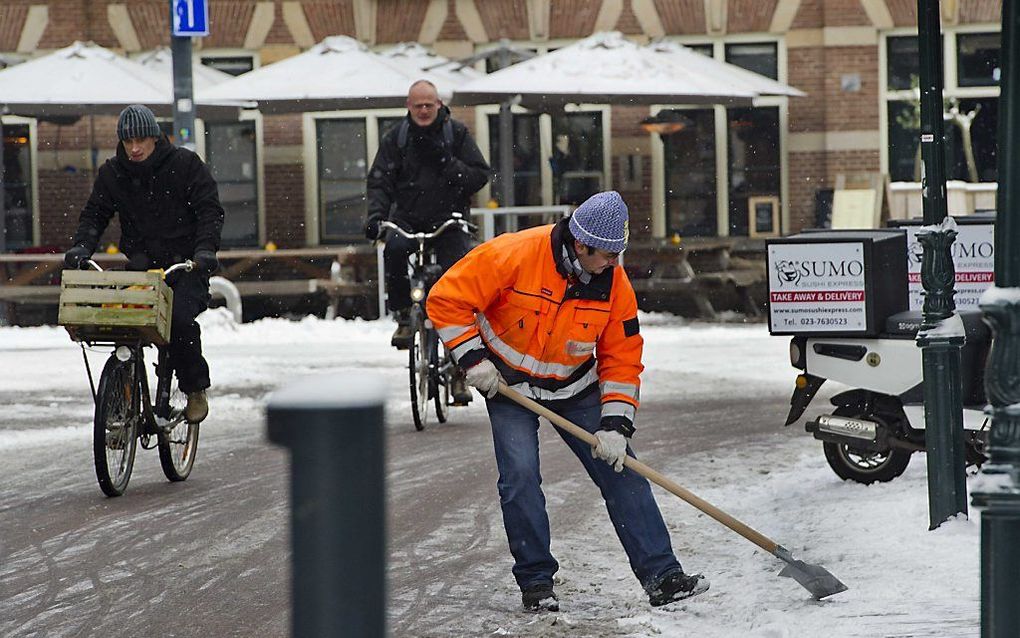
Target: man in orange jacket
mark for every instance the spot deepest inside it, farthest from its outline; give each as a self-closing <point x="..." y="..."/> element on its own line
<point x="547" y="312"/>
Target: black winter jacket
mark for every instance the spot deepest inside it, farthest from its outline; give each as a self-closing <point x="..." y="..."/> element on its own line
<point x="168" y="206"/>
<point x="419" y="193"/>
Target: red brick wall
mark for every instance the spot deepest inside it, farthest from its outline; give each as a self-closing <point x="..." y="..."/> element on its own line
<point x="61" y="197"/>
<point x="903" y="12"/>
<point x="845" y="13"/>
<point x="282" y="130"/>
<point x="628" y="23"/>
<point x="399" y="21"/>
<point x="335" y="17"/>
<point x="151" y="20"/>
<point x="504" y="18"/>
<point x="980" y="11"/>
<point x="851" y="111"/>
<point x="749" y="15"/>
<point x="807" y="176"/>
<point x="12" y="21"/>
<point x="681" y="17"/>
<point x="852" y="162"/>
<point x="572" y="18"/>
<point x="285" y="205"/>
<point x="806" y="71"/>
<point x="279" y="33"/>
<point x="452" y="28"/>
<point x="810" y="15"/>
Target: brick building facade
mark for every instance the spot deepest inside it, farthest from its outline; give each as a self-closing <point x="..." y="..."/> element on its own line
<point x="849" y="56"/>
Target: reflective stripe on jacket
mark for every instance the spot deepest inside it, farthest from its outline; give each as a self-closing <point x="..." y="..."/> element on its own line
<point x="509" y="301"/>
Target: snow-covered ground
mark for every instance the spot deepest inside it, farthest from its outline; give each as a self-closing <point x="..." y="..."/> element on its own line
<point x="903" y="579"/>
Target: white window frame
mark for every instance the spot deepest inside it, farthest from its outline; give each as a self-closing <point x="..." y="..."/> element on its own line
<point x="260" y="167"/>
<point x="227" y="52"/>
<point x="950" y="88"/>
<point x="311" y="156"/>
<point x="722" y="138"/>
<point x="33" y="144"/>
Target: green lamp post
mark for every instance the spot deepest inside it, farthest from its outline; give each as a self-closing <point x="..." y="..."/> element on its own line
<point x="940" y="344"/>
<point x="997" y="488"/>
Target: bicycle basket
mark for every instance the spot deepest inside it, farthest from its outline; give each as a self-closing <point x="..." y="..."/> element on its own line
<point x="114" y="306"/>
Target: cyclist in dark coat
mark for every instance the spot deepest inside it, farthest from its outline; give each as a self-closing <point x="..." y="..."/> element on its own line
<point x="169" y="210"/>
<point x="427" y="168"/>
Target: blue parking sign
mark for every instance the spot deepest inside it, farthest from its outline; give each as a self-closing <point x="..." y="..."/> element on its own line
<point x="190" y="17"/>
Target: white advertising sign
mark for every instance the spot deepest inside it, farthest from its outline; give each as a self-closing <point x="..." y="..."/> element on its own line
<point x="973" y="258"/>
<point x="817" y="287"/>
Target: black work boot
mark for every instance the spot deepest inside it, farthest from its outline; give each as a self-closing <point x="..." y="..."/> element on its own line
<point x="539" y="598"/>
<point x="401" y="339"/>
<point x="459" y="389"/>
<point x="676" y="585"/>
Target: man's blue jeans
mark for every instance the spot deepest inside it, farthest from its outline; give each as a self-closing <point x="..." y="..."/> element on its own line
<point x="628" y="496"/>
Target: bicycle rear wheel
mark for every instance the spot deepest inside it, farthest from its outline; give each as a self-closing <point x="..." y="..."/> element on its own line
<point x="179" y="444"/>
<point x="418" y="369"/>
<point x="115" y="428"/>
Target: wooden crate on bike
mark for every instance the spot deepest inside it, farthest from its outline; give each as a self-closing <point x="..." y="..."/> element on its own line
<point x="115" y="306"/>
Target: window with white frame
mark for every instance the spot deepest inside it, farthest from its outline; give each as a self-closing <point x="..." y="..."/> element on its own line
<point x="342" y="172"/>
<point x="720" y="157"/>
<point x="971" y="105"/>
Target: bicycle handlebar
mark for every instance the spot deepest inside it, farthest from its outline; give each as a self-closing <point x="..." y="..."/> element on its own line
<point x="455" y="221"/>
<point x="187" y="265"/>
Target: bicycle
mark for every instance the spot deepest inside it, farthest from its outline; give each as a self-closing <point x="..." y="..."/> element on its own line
<point x="430" y="367"/>
<point x="129" y="311"/>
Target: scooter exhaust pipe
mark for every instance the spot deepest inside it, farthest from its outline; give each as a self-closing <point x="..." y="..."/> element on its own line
<point x="844" y="426"/>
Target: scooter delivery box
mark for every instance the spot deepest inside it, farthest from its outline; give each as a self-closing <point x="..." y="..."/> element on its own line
<point x="836" y="282"/>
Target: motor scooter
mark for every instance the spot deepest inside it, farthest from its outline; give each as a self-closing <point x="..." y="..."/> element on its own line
<point x="877" y="425"/>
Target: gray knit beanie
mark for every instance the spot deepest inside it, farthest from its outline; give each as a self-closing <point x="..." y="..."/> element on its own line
<point x="601" y="222"/>
<point x="137" y="121"/>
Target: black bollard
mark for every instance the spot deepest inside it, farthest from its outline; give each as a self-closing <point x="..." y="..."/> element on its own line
<point x="333" y="426"/>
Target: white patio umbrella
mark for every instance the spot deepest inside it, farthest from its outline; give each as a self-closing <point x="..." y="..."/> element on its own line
<point x="606" y="68"/>
<point x="86" y="79"/>
<point x="695" y="62"/>
<point x="418" y="62"/>
<point x="203" y="77"/>
<point x="338" y="73"/>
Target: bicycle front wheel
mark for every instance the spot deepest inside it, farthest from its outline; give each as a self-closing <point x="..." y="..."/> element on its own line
<point x="441" y="380"/>
<point x="418" y="368"/>
<point x="115" y="431"/>
<point x="178" y="444"/>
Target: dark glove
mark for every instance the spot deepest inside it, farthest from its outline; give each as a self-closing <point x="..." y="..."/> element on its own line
<point x="431" y="150"/>
<point x="372" y="228"/>
<point x="76" y="256"/>
<point x="205" y="261"/>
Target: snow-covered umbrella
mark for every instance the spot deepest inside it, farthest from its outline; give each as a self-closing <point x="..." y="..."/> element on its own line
<point x="87" y="79"/>
<point x="606" y="68"/>
<point x="336" y="74"/>
<point x="203" y="77"/>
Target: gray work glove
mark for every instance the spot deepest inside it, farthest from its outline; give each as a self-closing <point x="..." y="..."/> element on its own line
<point x="485" y="377"/>
<point x="611" y="448"/>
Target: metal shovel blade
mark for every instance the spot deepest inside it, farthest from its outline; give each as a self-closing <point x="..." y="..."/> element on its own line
<point x="814" y="578"/>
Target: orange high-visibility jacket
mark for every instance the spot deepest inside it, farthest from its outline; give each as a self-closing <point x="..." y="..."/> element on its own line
<point x="510" y="300"/>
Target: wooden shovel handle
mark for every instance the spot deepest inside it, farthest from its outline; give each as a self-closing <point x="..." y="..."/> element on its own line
<point x="750" y="534"/>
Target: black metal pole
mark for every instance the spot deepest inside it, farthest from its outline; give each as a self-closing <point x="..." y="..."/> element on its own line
<point x="940" y="347"/>
<point x="184" y="97"/>
<point x="997" y="489"/>
<point x="333" y="427"/>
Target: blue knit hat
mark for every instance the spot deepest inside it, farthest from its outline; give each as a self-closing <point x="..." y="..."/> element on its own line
<point x="137" y="121"/>
<point x="601" y="222"/>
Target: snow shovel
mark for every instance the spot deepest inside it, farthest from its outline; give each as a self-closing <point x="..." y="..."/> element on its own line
<point x="814" y="578"/>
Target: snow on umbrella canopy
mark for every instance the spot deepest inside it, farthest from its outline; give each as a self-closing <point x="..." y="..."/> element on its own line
<point x="605" y="68"/>
<point x="337" y="73"/>
<point x="86" y="79"/>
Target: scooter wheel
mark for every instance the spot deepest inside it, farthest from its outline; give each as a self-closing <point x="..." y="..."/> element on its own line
<point x="865" y="466"/>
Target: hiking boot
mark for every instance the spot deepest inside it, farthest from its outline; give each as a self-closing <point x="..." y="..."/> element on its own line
<point x="197" y="408"/>
<point x="676" y="585"/>
<point x="402" y="336"/>
<point x="459" y="389"/>
<point x="539" y="598"/>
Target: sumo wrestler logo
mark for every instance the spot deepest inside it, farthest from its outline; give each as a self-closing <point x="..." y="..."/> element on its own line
<point x="787" y="272"/>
